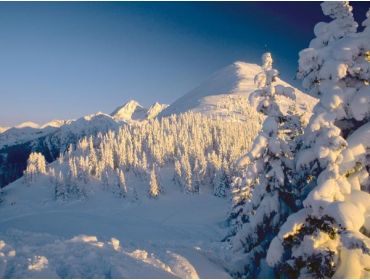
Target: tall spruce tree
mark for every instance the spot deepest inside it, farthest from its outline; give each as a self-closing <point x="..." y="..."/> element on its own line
<point x="263" y="197"/>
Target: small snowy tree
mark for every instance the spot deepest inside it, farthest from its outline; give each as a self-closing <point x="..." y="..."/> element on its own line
<point x="60" y="190"/>
<point x="121" y="183"/>
<point x="265" y="191"/>
<point x="186" y="172"/>
<point x="222" y="184"/>
<point x="154" y="188"/>
<point x="222" y="187"/>
<point x="177" y="172"/>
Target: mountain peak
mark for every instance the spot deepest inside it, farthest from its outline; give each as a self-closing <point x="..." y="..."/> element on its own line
<point x="234" y="80"/>
<point x="128" y="111"/>
<point x="133" y="111"/>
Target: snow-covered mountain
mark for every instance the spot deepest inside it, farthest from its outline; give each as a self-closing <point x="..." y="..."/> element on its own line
<point x="218" y="94"/>
<point x="133" y="111"/>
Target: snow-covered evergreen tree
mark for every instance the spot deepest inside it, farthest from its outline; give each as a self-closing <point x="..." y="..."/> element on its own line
<point x="121" y="183"/>
<point x="36" y="165"/>
<point x="264" y="195"/>
<point x="187" y="173"/>
<point x="222" y="184"/>
<point x="177" y="172"/>
<point x="154" y="188"/>
<point x="60" y="190"/>
<point x="330" y="237"/>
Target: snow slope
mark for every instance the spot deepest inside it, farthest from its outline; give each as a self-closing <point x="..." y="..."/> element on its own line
<point x="155" y="110"/>
<point x="218" y="93"/>
<point x="104" y="236"/>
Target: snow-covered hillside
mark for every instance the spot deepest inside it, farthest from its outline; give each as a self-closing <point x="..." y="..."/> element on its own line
<point x="226" y="93"/>
<point x="105" y="236"/>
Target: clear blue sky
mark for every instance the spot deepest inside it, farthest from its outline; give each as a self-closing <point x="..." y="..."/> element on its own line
<point x="63" y="60"/>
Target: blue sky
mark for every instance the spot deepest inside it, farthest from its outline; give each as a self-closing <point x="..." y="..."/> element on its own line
<point x="63" y="60"/>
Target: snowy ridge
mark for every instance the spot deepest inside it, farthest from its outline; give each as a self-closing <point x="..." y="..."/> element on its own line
<point x="227" y="86"/>
<point x="3" y="129"/>
<point x="28" y="124"/>
<point x="27" y="131"/>
<point x="30" y="131"/>
<point x="18" y="135"/>
<point x="56" y="123"/>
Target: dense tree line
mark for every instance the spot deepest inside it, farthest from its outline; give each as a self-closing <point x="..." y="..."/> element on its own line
<point x="199" y="150"/>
